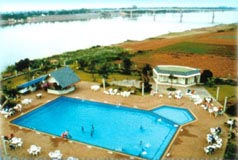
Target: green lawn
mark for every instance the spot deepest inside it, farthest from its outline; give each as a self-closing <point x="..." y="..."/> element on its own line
<point x="227" y="37"/>
<point x="199" y="48"/>
<point x="225" y="90"/>
<point x="84" y="76"/>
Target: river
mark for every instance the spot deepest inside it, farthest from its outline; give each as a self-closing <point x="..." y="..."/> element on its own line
<point x="38" y="40"/>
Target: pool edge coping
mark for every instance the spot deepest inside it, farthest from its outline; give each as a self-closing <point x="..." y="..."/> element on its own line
<point x="74" y="141"/>
<point x="177" y="132"/>
<point x="130" y="107"/>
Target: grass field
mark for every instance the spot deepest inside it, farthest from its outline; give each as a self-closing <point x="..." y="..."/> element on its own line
<point x="84" y="76"/>
<point x="228" y="37"/>
<point x="198" y="48"/>
<point x="224" y="91"/>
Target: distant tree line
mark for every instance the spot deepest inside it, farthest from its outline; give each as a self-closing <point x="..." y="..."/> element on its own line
<point x="24" y="15"/>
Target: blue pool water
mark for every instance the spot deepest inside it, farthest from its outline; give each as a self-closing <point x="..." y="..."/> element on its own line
<point x="131" y="131"/>
<point x="177" y="115"/>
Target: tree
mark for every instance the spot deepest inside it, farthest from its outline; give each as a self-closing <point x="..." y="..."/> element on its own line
<point x="82" y="63"/>
<point x="126" y="65"/>
<point x="145" y="75"/>
<point x="45" y="66"/>
<point x="9" y="90"/>
<point x="10" y="69"/>
<point x="105" y="70"/>
<point x="35" y="63"/>
<point x="205" y="76"/>
<point x="22" y="64"/>
<point x="231" y="151"/>
<point x="147" y="70"/>
<point x="232" y="108"/>
<point x="172" y="77"/>
<point x="92" y="68"/>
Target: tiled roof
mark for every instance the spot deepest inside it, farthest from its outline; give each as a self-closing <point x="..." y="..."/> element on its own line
<point x="65" y="76"/>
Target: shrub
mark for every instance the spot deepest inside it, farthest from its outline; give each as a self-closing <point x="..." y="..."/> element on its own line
<point x="232" y="108"/>
<point x="225" y="81"/>
<point x="231" y="151"/>
<point x="147" y="88"/>
<point x="231" y="135"/>
<point x="171" y="89"/>
<point x="205" y="76"/>
<point x="219" y="81"/>
<point x="3" y="99"/>
<point x="230" y="82"/>
<point x="10" y="104"/>
<point x="210" y="82"/>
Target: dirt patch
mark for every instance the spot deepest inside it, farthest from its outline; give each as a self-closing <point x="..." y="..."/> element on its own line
<point x="55" y="141"/>
<point x="220" y="65"/>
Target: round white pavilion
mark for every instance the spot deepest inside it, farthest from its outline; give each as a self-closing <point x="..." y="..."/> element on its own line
<point x="183" y="76"/>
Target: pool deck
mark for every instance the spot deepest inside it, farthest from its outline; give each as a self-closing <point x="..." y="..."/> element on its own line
<point x="188" y="143"/>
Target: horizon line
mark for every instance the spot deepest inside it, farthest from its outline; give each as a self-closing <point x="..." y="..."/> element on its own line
<point x="117" y="8"/>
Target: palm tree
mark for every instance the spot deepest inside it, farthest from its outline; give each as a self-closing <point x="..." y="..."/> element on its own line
<point x="145" y="76"/>
<point x="171" y="77"/>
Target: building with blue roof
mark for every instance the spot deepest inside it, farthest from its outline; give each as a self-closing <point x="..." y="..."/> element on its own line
<point x="31" y="85"/>
<point x="60" y="81"/>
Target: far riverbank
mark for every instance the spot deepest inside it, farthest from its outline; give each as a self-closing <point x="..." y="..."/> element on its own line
<point x="56" y="18"/>
<point x="37" y="40"/>
<point x="14" y="18"/>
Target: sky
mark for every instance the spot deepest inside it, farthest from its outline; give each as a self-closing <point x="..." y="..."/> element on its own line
<point x="28" y="5"/>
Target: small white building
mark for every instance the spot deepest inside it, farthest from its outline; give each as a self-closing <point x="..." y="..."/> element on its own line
<point x="183" y="76"/>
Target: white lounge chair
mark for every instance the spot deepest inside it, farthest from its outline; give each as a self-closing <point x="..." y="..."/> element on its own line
<point x="218" y="145"/>
<point x="72" y="158"/>
<point x="56" y="155"/>
<point x="95" y="87"/>
<point x="26" y="101"/>
<point x="198" y="101"/>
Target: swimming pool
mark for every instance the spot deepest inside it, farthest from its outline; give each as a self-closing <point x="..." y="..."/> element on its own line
<point x="117" y="128"/>
<point x="177" y="115"/>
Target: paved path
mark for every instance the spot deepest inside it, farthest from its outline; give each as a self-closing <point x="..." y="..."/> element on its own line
<point x="200" y="90"/>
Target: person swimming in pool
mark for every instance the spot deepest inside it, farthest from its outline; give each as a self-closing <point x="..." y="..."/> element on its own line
<point x="65" y="134"/>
